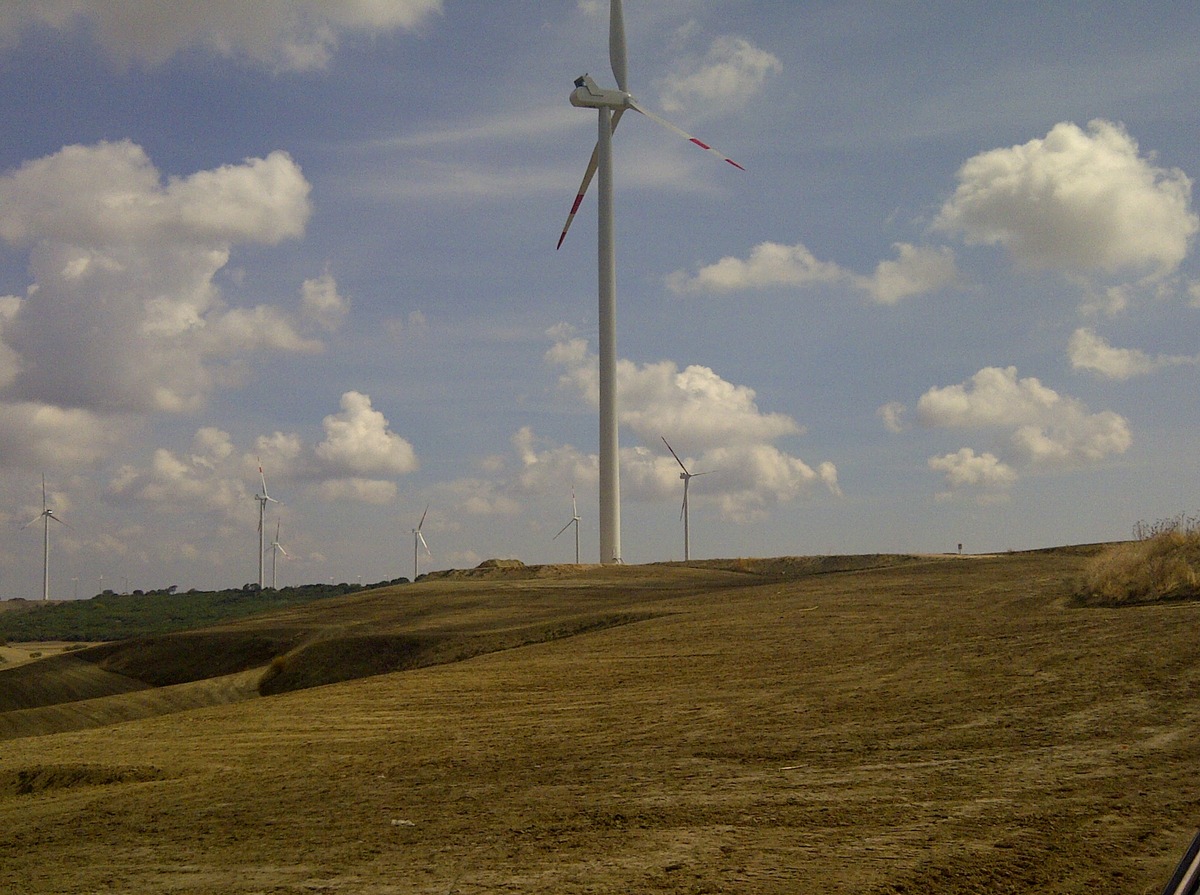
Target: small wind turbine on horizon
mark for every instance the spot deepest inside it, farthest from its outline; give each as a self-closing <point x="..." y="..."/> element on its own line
<point x="45" y="515"/>
<point x="419" y="541"/>
<point x="263" y="499"/>
<point x="574" y="521"/>
<point x="687" y="477"/>
<point x="276" y="548"/>
<point x="610" y="106"/>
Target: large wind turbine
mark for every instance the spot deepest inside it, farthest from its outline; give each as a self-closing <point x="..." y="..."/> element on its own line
<point x="683" y="513"/>
<point x="419" y="541"/>
<point x="262" y="499"/>
<point x="574" y="521"/>
<point x="45" y="515"/>
<point x="276" y="548"/>
<point x="610" y="105"/>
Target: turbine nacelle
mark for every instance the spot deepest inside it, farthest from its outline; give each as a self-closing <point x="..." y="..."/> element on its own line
<point x="588" y="95"/>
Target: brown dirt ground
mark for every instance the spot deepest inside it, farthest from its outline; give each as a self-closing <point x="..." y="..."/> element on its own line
<point x="892" y="725"/>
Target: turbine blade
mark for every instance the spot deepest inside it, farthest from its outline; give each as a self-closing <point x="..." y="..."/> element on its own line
<point x="422" y="522"/>
<point x="263" y="479"/>
<point x="677" y="460"/>
<point x="616" y="43"/>
<point x="593" y="163"/>
<point x="669" y="126"/>
<point x="421" y="538"/>
<point x="683" y="509"/>
<point x="561" y="530"/>
<point x="33" y="520"/>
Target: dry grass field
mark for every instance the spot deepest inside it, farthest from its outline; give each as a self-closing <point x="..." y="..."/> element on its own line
<point x="916" y="725"/>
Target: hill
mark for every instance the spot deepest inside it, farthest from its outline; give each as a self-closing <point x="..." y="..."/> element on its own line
<point x="869" y="725"/>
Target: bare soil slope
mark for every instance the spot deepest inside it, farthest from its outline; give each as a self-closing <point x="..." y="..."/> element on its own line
<point x="937" y="725"/>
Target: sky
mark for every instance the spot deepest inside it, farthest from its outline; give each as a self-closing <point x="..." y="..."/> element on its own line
<point x="953" y="298"/>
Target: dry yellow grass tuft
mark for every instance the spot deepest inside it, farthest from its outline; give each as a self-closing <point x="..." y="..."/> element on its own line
<point x="1163" y="564"/>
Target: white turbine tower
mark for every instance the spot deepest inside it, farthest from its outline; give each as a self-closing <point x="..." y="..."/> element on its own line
<point x="45" y="515"/>
<point x="574" y="521"/>
<point x="419" y="541"/>
<point x="276" y="548"/>
<point x="262" y="499"/>
<point x="610" y="105"/>
<point x="683" y="513"/>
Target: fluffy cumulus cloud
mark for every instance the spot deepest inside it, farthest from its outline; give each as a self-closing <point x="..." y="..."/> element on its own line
<point x="712" y="423"/>
<point x="284" y="35"/>
<point x="207" y="476"/>
<point x="1033" y="428"/>
<point x="731" y="72"/>
<point x="123" y="315"/>
<point x="1078" y="200"/>
<point x="357" y="460"/>
<point x="965" y="468"/>
<point x="322" y="304"/>
<point x="359" y="442"/>
<point x="1091" y="352"/>
<point x="916" y="270"/>
<point x="770" y="265"/>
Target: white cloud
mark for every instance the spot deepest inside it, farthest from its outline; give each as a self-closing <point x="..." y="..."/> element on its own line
<point x="296" y="35"/>
<point x="917" y="270"/>
<point x="123" y="314"/>
<point x="712" y="422"/>
<point x="353" y="462"/>
<point x="892" y="415"/>
<point x="770" y="265"/>
<point x="206" y="477"/>
<point x="1037" y="428"/>
<point x="321" y="303"/>
<point x="1077" y="201"/>
<point x="992" y="397"/>
<point x="356" y="488"/>
<point x="359" y="442"/>
<point x="35" y="435"/>
<point x="1089" y="351"/>
<point x="546" y="467"/>
<point x="730" y="73"/>
<point x="966" y="468"/>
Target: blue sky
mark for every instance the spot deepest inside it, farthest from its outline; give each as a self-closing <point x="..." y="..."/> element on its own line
<point x="952" y="299"/>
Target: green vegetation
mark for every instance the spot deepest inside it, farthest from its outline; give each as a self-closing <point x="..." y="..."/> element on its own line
<point x="1161" y="563"/>
<point x="111" y="616"/>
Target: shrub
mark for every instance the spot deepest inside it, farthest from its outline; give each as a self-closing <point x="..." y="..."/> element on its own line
<point x="1162" y="564"/>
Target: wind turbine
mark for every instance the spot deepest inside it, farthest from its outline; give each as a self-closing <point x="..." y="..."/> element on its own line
<point x="610" y="106"/>
<point x="45" y="515"/>
<point x="276" y="548"/>
<point x="262" y="499"/>
<point x="683" y="513"/>
<point x="419" y="540"/>
<point x="574" y="521"/>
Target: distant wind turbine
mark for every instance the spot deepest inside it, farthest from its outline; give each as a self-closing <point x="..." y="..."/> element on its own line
<point x="262" y="499"/>
<point x="574" y="521"/>
<point x="276" y="548"/>
<point x="419" y="540"/>
<point x="683" y="513"/>
<point x="611" y="105"/>
<point x="45" y="515"/>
